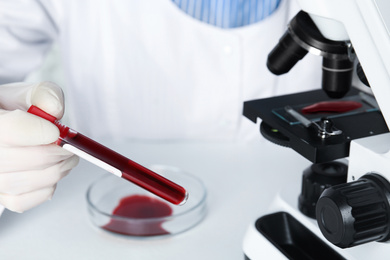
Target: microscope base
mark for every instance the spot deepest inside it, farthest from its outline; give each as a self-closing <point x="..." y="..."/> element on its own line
<point x="257" y="243"/>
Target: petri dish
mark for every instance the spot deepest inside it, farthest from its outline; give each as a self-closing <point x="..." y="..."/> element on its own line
<point x="120" y="207"/>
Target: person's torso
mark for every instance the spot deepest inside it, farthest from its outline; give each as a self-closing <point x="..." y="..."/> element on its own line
<point x="145" y="69"/>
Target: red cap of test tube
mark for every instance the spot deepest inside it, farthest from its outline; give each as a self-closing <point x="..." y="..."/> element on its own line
<point x="39" y="112"/>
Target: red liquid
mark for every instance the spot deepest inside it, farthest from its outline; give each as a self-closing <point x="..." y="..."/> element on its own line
<point x="331" y="107"/>
<point x="139" y="207"/>
<point x="131" y="170"/>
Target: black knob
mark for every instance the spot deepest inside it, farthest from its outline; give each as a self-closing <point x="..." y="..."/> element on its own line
<point x="361" y="74"/>
<point x="315" y="180"/>
<point x="356" y="212"/>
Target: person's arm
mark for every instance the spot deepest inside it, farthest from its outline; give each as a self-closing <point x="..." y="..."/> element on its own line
<point x="30" y="165"/>
<point x="27" y="31"/>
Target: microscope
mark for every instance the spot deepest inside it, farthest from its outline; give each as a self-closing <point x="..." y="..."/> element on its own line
<point x="342" y="210"/>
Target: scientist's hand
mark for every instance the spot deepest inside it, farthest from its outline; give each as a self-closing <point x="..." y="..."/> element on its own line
<point x="30" y="164"/>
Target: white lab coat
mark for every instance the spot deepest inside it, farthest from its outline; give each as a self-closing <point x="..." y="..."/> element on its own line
<point x="145" y="69"/>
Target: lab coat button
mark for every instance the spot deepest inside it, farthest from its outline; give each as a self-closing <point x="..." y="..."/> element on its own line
<point x="228" y="49"/>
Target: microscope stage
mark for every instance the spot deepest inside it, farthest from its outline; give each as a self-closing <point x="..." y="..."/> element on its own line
<point x="363" y="122"/>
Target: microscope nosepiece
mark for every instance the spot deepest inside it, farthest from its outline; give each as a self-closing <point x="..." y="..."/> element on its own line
<point x="303" y="36"/>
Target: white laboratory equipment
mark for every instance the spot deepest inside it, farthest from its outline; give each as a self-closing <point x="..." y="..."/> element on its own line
<point x="342" y="209"/>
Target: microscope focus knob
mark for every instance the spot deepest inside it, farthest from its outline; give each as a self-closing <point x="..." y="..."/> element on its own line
<point x="315" y="180"/>
<point x="357" y="212"/>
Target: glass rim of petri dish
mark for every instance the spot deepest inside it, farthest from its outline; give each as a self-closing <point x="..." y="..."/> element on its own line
<point x="182" y="213"/>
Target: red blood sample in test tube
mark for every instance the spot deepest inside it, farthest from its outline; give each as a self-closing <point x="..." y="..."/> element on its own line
<point x="114" y="162"/>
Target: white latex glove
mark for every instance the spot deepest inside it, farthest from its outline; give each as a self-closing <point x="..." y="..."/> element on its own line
<point x="30" y="164"/>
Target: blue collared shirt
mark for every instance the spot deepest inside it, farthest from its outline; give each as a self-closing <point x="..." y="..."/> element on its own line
<point x="228" y="13"/>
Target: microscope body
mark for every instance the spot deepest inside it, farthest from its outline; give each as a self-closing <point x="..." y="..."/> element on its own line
<point x="363" y="26"/>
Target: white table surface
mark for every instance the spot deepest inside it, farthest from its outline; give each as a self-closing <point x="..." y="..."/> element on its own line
<point x="241" y="180"/>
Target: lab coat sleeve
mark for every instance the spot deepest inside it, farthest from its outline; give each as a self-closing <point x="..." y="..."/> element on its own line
<point x="27" y="30"/>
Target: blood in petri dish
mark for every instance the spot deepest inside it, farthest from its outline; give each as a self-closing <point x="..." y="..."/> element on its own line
<point x="139" y="211"/>
<point x="331" y="107"/>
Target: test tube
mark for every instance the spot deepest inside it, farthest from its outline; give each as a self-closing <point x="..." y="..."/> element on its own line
<point x="114" y="162"/>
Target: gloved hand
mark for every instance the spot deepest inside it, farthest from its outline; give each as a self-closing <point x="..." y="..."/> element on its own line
<point x="30" y="164"/>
